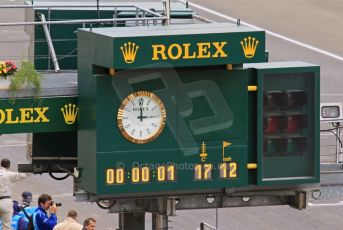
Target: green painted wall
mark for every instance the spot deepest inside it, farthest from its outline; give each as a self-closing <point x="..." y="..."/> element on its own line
<point x="28" y="115"/>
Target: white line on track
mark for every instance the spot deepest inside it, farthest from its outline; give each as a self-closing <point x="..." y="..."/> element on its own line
<point x="340" y="203"/>
<point x="12" y="145"/>
<point x="331" y="94"/>
<point x="315" y="49"/>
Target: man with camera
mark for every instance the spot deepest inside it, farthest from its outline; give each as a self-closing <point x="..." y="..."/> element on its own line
<point x="41" y="219"/>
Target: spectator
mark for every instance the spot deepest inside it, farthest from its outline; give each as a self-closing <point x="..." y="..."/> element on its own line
<point x="89" y="224"/>
<point x="26" y="199"/>
<point x="41" y="219"/>
<point x="7" y="179"/>
<point x="69" y="223"/>
<point x="26" y="210"/>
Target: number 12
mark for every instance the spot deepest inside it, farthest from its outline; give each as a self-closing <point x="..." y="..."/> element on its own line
<point x="228" y="170"/>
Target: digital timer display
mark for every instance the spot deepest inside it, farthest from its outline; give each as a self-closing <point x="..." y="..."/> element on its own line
<point x="167" y="173"/>
<point x="140" y="175"/>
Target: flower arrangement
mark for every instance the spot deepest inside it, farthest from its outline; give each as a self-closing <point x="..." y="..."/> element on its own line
<point x="7" y="68"/>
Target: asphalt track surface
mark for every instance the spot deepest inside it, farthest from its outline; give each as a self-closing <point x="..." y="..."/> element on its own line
<point x="313" y="22"/>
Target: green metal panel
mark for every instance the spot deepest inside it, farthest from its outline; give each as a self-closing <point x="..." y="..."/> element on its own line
<point x="288" y="127"/>
<point x="185" y="45"/>
<point x="87" y="105"/>
<point x="27" y="115"/>
<point x="211" y="94"/>
<point x="214" y="94"/>
<point x="185" y="50"/>
<point x="207" y="105"/>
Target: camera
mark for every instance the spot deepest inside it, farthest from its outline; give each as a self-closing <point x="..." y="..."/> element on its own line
<point x="58" y="204"/>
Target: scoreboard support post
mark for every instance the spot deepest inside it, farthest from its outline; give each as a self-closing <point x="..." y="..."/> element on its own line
<point x="132" y="221"/>
<point x="132" y="212"/>
<point x="136" y="221"/>
<point x="159" y="221"/>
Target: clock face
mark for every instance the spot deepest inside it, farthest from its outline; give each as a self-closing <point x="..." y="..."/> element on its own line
<point x="141" y="117"/>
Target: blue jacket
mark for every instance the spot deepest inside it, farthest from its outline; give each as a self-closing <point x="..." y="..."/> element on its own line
<point x="42" y="221"/>
<point x="23" y="222"/>
<point x="19" y="220"/>
<point x="15" y="223"/>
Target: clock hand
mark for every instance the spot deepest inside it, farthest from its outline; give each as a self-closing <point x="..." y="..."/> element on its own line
<point x="140" y="102"/>
<point x="143" y="117"/>
<point x="154" y="116"/>
<point x="140" y="117"/>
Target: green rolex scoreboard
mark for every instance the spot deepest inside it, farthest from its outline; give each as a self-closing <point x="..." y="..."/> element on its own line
<point x="173" y="109"/>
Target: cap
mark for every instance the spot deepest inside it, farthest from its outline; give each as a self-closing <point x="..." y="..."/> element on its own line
<point x="27" y="196"/>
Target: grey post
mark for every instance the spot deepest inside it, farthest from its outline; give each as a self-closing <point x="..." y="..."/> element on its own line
<point x="132" y="221"/>
<point x="51" y="46"/>
<point x="159" y="222"/>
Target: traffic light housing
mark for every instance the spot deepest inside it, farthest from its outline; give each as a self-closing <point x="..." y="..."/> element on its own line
<point x="288" y="124"/>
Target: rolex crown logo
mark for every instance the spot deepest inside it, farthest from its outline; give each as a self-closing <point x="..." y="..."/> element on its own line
<point x="69" y="113"/>
<point x="129" y="51"/>
<point x="249" y="46"/>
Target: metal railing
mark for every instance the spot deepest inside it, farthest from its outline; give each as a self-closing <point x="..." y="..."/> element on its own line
<point x="81" y="6"/>
<point x="82" y="21"/>
<point x="142" y="16"/>
<point x="50" y="45"/>
<point x="147" y="15"/>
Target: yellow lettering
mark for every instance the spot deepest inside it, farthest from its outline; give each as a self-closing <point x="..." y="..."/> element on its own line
<point x="178" y="53"/>
<point x="203" y="50"/>
<point x="158" y="49"/>
<point x="186" y="55"/>
<point x="9" y="117"/>
<point x="41" y="116"/>
<point x="26" y="115"/>
<point x="219" y="46"/>
<point x="2" y="116"/>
